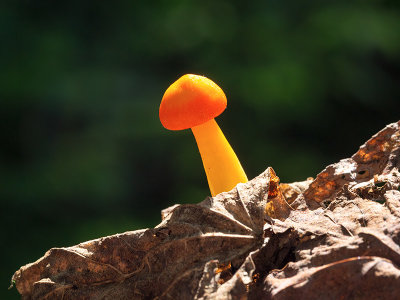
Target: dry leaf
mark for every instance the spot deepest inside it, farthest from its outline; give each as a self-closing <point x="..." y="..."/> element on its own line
<point x="338" y="239"/>
<point x="276" y="207"/>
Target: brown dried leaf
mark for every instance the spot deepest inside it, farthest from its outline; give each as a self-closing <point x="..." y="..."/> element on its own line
<point x="276" y="207"/>
<point x="378" y="156"/>
<point x="338" y="239"/>
<point x="291" y="191"/>
<point x="155" y="262"/>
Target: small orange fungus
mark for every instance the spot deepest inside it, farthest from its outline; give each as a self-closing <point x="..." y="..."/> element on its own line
<point x="194" y="101"/>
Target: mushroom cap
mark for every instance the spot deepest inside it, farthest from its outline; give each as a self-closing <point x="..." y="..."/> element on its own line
<point x="190" y="101"/>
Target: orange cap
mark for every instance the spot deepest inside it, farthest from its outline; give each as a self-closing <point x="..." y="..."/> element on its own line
<point x="190" y="101"/>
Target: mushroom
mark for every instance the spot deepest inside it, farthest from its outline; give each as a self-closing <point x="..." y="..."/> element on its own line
<point x="194" y="101"/>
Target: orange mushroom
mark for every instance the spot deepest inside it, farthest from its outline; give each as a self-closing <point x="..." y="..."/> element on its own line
<point x="194" y="101"/>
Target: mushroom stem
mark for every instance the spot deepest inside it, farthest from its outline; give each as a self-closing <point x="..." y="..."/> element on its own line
<point x="220" y="162"/>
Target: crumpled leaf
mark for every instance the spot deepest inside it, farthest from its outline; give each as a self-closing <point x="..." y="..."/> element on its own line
<point x="377" y="157"/>
<point x="335" y="237"/>
<point x="277" y="207"/>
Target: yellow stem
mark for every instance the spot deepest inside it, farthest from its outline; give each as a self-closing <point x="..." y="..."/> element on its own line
<point x="221" y="164"/>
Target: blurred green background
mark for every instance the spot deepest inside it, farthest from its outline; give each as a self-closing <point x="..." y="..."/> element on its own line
<point x="83" y="154"/>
